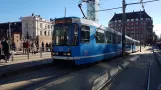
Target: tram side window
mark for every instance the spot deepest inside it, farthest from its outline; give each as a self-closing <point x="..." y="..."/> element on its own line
<point x="107" y="37"/>
<point x="85" y="34"/>
<point x="100" y="36"/>
<point x="110" y="38"/>
<point x="119" y="39"/>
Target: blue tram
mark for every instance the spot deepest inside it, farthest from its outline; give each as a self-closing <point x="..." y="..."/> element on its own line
<point x="84" y="41"/>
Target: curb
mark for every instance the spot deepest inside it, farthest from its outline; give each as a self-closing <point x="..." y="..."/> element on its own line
<point x="157" y="57"/>
<point x="25" y="69"/>
<point x="117" y="70"/>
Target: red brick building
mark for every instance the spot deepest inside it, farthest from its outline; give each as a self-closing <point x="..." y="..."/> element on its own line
<point x="138" y="25"/>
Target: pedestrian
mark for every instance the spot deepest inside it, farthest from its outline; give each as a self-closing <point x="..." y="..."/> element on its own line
<point x="23" y="46"/>
<point x="13" y="46"/>
<point x="50" y="46"/>
<point x="47" y="46"/>
<point x="34" y="48"/>
<point x="42" y="46"/>
<point x="5" y="49"/>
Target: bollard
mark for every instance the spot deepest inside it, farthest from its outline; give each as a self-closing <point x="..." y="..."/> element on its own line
<point x="40" y="52"/>
<point x="28" y="53"/>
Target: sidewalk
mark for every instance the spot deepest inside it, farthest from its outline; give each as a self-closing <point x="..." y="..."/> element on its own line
<point x="21" y="63"/>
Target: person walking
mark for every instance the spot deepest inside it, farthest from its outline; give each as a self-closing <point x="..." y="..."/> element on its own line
<point x="34" y="48"/>
<point x="24" y="47"/>
<point x="5" y="49"/>
<point x="13" y="46"/>
<point x="42" y="46"/>
<point x="47" y="47"/>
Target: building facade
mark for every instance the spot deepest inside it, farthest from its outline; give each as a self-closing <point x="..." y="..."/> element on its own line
<point x="16" y="30"/>
<point x="35" y="27"/>
<point x="139" y="25"/>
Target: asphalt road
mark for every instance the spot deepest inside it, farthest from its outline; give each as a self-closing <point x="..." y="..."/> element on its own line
<point x="135" y="77"/>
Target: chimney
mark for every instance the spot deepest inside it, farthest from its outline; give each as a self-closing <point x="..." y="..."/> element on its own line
<point x="32" y="14"/>
<point x="51" y="19"/>
<point x="144" y="10"/>
<point x="38" y="15"/>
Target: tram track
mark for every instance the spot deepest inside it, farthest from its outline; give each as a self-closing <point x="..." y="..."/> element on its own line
<point x="111" y="79"/>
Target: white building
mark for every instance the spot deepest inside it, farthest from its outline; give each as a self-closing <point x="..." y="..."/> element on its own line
<point x="35" y="26"/>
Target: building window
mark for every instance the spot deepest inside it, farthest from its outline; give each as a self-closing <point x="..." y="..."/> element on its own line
<point x="132" y="19"/>
<point x="51" y="27"/>
<point x="119" y="20"/>
<point x="128" y="19"/>
<point x="45" y="33"/>
<point x="27" y="25"/>
<point x="136" y="19"/>
<point x="141" y="18"/>
<point x="40" y="25"/>
<point x="48" y="26"/>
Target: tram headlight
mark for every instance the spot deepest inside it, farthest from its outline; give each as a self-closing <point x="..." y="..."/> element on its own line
<point x="55" y="53"/>
<point x="68" y="54"/>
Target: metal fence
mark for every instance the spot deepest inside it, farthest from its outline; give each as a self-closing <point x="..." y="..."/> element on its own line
<point x="31" y="53"/>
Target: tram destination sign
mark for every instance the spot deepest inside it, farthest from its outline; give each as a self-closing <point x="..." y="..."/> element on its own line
<point x="65" y="20"/>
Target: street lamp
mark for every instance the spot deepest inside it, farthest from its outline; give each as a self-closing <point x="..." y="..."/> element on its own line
<point x="9" y="35"/>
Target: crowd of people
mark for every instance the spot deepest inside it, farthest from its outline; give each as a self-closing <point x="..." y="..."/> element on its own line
<point x="34" y="48"/>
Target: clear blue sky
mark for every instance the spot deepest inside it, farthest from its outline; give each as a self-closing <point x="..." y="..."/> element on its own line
<point x="12" y="10"/>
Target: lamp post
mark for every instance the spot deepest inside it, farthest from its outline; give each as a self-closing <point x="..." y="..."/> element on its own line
<point x="123" y="29"/>
<point x="9" y="35"/>
<point x="140" y="32"/>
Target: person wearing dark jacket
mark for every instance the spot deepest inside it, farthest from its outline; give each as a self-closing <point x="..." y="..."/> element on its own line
<point x="13" y="46"/>
<point x="47" y="46"/>
<point x="5" y="48"/>
<point x="42" y="46"/>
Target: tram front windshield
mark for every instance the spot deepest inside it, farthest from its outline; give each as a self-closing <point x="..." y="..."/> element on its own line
<point x="65" y="35"/>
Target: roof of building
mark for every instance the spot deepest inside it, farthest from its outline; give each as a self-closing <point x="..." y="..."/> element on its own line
<point x="131" y="15"/>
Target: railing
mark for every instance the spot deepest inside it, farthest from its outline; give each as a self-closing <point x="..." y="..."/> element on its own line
<point x="30" y="53"/>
